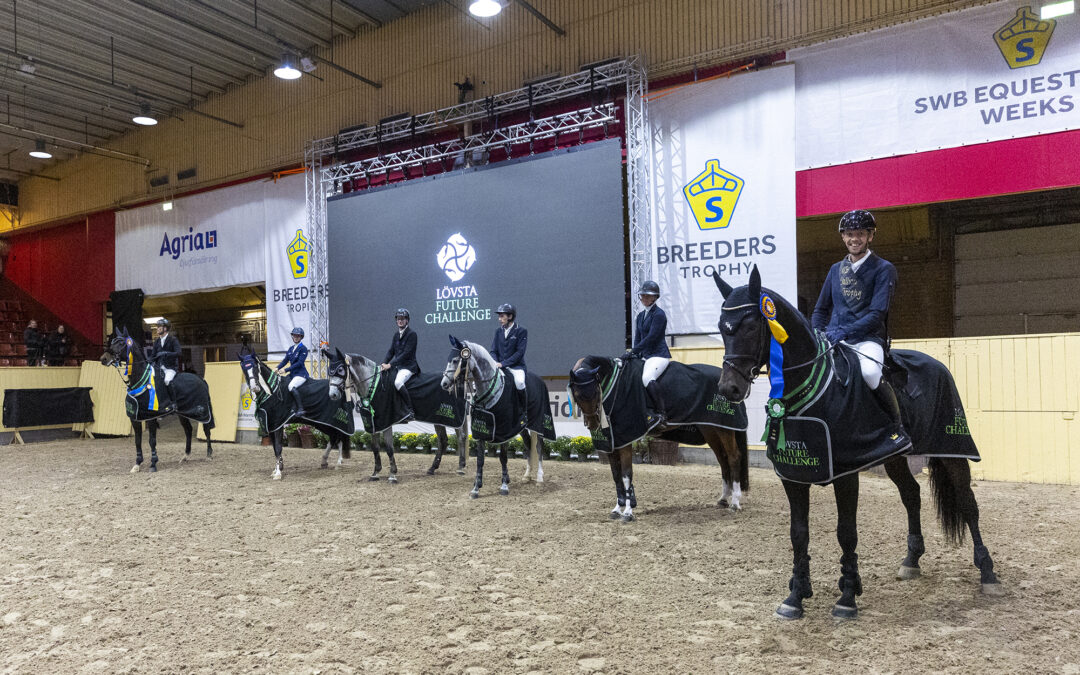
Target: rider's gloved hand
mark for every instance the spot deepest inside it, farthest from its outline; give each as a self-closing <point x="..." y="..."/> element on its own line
<point x="835" y="335"/>
<point x="628" y="354"/>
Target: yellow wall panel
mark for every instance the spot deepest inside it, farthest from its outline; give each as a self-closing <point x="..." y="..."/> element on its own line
<point x="224" y="380"/>
<point x="108" y="393"/>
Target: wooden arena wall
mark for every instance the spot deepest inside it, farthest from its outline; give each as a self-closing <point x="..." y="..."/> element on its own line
<point x="418" y="58"/>
<point x="1021" y="394"/>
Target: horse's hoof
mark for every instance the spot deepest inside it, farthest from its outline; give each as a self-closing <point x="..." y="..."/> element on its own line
<point x="628" y="518"/>
<point x="993" y="589"/>
<point x="392" y="479"/>
<point x="844" y="612"/>
<point x="276" y="476"/>
<point x="504" y="491"/>
<point x="614" y="515"/>
<point x="908" y="573"/>
<point x="788" y="613"/>
<point x="461" y="472"/>
<point x="209" y="455"/>
<point x="431" y="471"/>
<point x="539" y="478"/>
<point x="153" y="469"/>
<point x="475" y="494"/>
<point x="135" y="469"/>
<point x="723" y="503"/>
<point x="372" y="478"/>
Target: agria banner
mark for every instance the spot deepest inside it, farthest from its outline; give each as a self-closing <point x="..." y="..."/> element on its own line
<point x="724" y="171"/>
<point x="983" y="74"/>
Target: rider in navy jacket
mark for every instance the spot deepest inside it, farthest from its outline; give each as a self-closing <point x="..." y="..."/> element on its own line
<point x="853" y="307"/>
<point x="402" y="355"/>
<point x="294" y="366"/>
<point x="650" y="328"/>
<point x="508" y="348"/>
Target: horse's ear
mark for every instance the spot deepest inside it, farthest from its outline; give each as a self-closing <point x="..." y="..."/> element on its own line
<point x="725" y="289"/>
<point x="326" y="353"/>
<point x="455" y="343"/>
<point x="755" y="283"/>
<point x="341" y="357"/>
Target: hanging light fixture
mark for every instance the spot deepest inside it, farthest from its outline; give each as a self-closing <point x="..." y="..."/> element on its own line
<point x="144" y="117"/>
<point x="484" y="8"/>
<point x="287" y="70"/>
<point x="39" y="150"/>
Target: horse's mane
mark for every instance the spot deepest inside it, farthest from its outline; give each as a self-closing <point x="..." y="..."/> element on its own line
<point x="359" y="360"/>
<point x="785" y="311"/>
<point x="484" y="359"/>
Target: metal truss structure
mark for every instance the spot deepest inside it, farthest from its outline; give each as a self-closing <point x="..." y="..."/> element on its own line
<point x="325" y="178"/>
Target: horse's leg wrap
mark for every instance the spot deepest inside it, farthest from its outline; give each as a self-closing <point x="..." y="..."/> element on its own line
<point x="915" y="549"/>
<point x="800" y="587"/>
<point x="850" y="585"/>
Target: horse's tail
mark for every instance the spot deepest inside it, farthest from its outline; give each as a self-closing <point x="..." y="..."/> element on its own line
<point x="947" y="499"/>
<point x="744" y="461"/>
<point x="346" y="446"/>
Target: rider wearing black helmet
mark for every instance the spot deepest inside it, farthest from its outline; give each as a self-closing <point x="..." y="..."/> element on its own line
<point x="166" y="351"/>
<point x="294" y="366"/>
<point x="853" y="307"/>
<point x="508" y="347"/>
<point x="650" y="327"/>
<point x="402" y="354"/>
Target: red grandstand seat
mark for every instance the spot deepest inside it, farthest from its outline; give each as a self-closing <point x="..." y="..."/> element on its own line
<point x="20" y="350"/>
<point x="6" y="349"/>
<point x="71" y="362"/>
<point x="5" y="362"/>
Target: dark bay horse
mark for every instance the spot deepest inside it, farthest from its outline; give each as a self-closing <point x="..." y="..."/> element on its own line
<point x="747" y="342"/>
<point x="592" y="384"/>
<point x="273" y="408"/>
<point x="471" y="369"/>
<point x="360" y="381"/>
<point x="148" y="400"/>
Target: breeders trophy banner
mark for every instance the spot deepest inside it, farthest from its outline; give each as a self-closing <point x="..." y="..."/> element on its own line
<point x="289" y="293"/>
<point x="982" y="74"/>
<point x="724" y="171"/>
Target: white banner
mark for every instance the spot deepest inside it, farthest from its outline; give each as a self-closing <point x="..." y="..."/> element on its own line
<point x="724" y="170"/>
<point x="206" y="241"/>
<point x="983" y="74"/>
<point x="287" y="265"/>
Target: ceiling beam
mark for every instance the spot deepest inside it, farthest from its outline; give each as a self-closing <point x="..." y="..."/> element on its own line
<point x="266" y="54"/>
<point x="20" y="132"/>
<point x="540" y="15"/>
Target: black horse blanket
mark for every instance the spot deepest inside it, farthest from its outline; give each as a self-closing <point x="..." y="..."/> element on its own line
<point x="273" y="410"/>
<point x="837" y="427"/>
<point x="502" y="420"/>
<point x="188" y="396"/>
<point x="431" y="403"/>
<point x="691" y="396"/>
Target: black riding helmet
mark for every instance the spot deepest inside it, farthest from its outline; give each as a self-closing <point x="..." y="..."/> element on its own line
<point x="164" y="322"/>
<point x="401" y="313"/>
<point x="858" y="220"/>
<point x="650" y="287"/>
<point x="297" y="331"/>
<point x="507" y="308"/>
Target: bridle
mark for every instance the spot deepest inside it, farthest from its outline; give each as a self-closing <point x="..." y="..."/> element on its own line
<point x="750" y="373"/>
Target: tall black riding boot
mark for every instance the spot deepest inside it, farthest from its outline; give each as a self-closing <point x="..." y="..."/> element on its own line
<point x="407" y="400"/>
<point x="523" y="402"/>
<point x="298" y="405"/>
<point x="886" y="397"/>
<point x="659" y="411"/>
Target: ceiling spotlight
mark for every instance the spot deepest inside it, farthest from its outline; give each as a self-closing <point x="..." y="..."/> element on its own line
<point x="1056" y="9"/>
<point x="144" y="117"/>
<point x="39" y="150"/>
<point x="307" y="65"/>
<point x="27" y="67"/>
<point x="484" y="8"/>
<point x="287" y="70"/>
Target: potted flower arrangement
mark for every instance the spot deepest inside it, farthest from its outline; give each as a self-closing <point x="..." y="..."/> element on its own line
<point x="307" y="437"/>
<point x="292" y="435"/>
<point x="582" y="446"/>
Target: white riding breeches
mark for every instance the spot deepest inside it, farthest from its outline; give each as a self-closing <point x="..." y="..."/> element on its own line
<point x="654" y="368"/>
<point x="296" y="381"/>
<point x="519" y="377"/>
<point x="169" y="375"/>
<point x="871" y="357"/>
<point x="402" y="377"/>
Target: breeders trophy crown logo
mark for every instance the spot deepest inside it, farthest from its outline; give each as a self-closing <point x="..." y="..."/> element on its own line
<point x="456" y="257"/>
<point x="1023" y="39"/>
<point x="298" y="255"/>
<point x="713" y="195"/>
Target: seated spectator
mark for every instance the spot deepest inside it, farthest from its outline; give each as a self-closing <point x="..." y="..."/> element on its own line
<point x="34" y="343"/>
<point x="58" y="346"/>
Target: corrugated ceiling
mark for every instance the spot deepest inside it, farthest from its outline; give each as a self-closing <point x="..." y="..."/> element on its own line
<point x="74" y="72"/>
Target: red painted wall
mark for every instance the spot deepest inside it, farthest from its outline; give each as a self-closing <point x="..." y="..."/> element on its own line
<point x="1004" y="167"/>
<point x="69" y="269"/>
